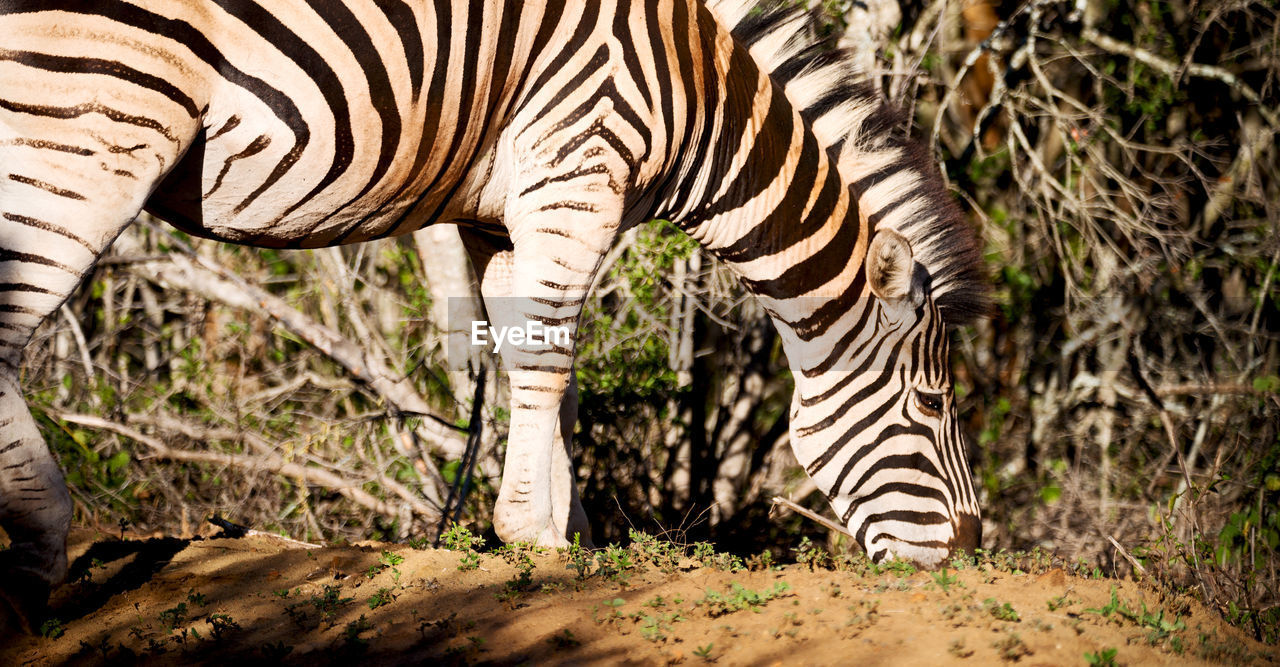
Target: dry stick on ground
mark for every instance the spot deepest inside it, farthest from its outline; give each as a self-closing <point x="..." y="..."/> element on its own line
<point x="831" y="525"/>
<point x="349" y="488"/>
<point x="1127" y="556"/>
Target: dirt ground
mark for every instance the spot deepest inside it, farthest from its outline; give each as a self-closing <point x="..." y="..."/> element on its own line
<point x="259" y="598"/>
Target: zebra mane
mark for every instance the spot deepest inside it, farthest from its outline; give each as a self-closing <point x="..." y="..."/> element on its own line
<point x="897" y="185"/>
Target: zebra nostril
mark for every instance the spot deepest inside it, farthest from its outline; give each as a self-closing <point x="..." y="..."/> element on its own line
<point x="968" y="533"/>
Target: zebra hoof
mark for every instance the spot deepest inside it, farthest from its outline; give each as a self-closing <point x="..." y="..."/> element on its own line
<point x="24" y="602"/>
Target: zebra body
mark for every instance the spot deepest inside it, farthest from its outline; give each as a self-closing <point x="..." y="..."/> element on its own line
<point x="544" y="129"/>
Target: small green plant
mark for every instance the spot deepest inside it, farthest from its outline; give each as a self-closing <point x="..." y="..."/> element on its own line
<point x="52" y="629"/>
<point x="1011" y="648"/>
<point x="614" y="563"/>
<point x="615" y="615"/>
<point x="328" y="602"/>
<point x="810" y="554"/>
<point x="739" y="598"/>
<point x="704" y="652"/>
<point x="958" y="649"/>
<point x="579" y="559"/>
<point x="220" y="625"/>
<point x="1103" y="658"/>
<point x="351" y="633"/>
<point x="901" y="568"/>
<point x="1059" y="602"/>
<point x="384" y="596"/>
<point x="655" y="627"/>
<point x="199" y="599"/>
<point x="1000" y="612"/>
<point x="763" y="561"/>
<point x="1159" y="626"/>
<point x="458" y="538"/>
<point x="563" y="639"/>
<point x="662" y="554"/>
<point x="276" y="652"/>
<point x="174" y="616"/>
<point x="704" y="552"/>
<point x="944" y="580"/>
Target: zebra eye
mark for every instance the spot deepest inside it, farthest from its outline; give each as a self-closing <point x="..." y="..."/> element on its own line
<point x="930" y="404"/>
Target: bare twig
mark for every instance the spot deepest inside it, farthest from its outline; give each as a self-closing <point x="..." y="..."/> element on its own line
<point x="828" y="523"/>
<point x="1174" y="70"/>
<point x="203" y="276"/>
<point x="269" y="462"/>
<point x="1127" y="556"/>
<point x="78" y="334"/>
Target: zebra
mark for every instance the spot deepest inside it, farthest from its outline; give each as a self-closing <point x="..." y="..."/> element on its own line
<point x="543" y="129"/>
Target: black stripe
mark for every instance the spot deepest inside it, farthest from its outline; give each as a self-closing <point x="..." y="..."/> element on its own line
<point x="24" y="287"/>
<point x="816" y="269"/>
<point x="66" y="113"/>
<point x="905" y="516"/>
<point x="49" y="145"/>
<point x="881" y="380"/>
<point x="908" y="488"/>
<point x="256" y="146"/>
<point x="7" y="255"/>
<point x="47" y="187"/>
<point x="348" y="28"/>
<point x="15" y="466"/>
<point x="630" y="57"/>
<point x="431" y="125"/>
<point x="825" y="316"/>
<point x="915" y="462"/>
<point x="118" y="70"/>
<point x="22" y="310"/>
<point x="49" y="227"/>
<point x="781" y="229"/>
<point x="401" y="17"/>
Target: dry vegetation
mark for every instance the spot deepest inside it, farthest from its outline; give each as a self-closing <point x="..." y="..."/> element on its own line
<point x="1119" y="158"/>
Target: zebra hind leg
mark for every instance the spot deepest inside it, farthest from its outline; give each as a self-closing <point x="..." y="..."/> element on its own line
<point x="35" y="511"/>
<point x="59" y="210"/>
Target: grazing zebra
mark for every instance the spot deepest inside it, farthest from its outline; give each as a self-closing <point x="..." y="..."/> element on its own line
<point x="543" y="130"/>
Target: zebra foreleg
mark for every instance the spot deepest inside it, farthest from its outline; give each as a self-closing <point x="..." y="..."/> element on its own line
<point x="493" y="267"/>
<point x="560" y="231"/>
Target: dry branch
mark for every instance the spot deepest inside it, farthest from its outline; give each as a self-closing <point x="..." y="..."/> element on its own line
<point x="200" y="275"/>
<point x="264" y="461"/>
<point x="828" y="523"/>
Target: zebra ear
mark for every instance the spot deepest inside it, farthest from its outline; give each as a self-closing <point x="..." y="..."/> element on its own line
<point x="892" y="272"/>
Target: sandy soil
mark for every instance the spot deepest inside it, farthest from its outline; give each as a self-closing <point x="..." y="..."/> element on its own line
<point x="171" y="601"/>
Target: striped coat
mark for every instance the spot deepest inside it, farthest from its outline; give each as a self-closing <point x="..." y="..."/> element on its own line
<point x="543" y="129"/>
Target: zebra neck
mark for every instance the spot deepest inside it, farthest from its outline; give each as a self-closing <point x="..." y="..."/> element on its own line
<point x="760" y="192"/>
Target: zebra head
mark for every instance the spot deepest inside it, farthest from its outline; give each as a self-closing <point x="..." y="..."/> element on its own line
<point x="878" y="432"/>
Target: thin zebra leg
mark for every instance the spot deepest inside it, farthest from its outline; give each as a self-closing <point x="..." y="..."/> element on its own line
<point x="493" y="266"/>
<point x="566" y="503"/>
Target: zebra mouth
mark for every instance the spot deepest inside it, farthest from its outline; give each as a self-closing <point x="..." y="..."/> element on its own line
<point x="968" y="533"/>
<point x="928" y="555"/>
